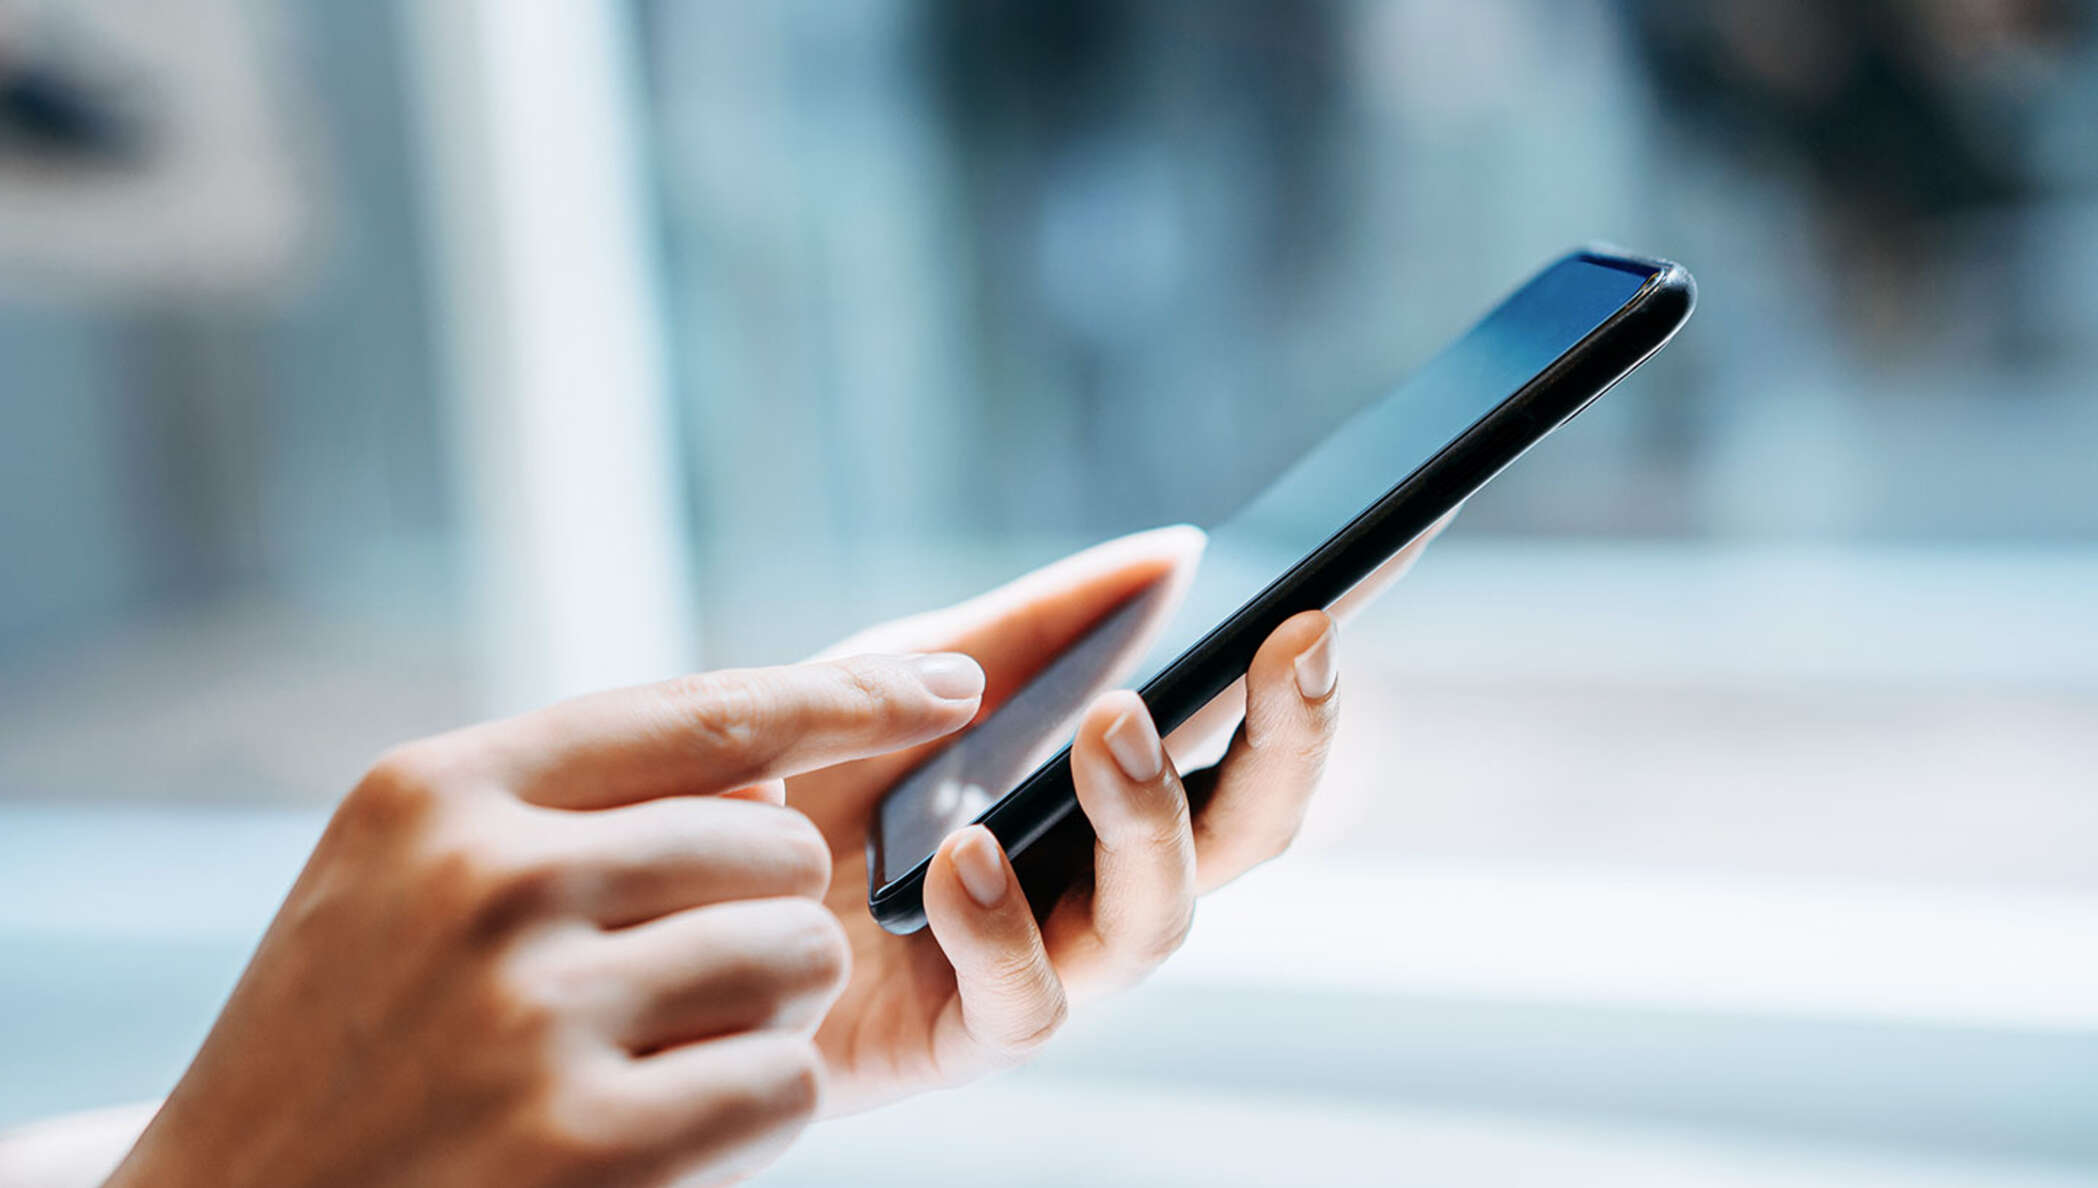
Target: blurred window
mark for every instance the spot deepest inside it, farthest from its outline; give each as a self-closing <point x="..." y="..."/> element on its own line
<point x="957" y="286"/>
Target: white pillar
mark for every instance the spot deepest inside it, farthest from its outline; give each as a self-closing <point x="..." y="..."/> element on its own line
<point x="548" y="316"/>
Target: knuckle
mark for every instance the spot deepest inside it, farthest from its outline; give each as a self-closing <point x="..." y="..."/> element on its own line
<point x="1030" y="1036"/>
<point x="814" y="948"/>
<point x="521" y="1014"/>
<point x="1168" y="941"/>
<point x="488" y="888"/>
<point x="1039" y="1006"/>
<point x="1276" y="840"/>
<point x="402" y="789"/>
<point x="1016" y="971"/>
<point x="1160" y="832"/>
<point x="784" y="1088"/>
<point x="1138" y="947"/>
<point x="515" y="892"/>
<point x="725" y="717"/>
<point x="1317" y="744"/>
<point x="581" y="1124"/>
<point x="1170" y="834"/>
<point x="804" y="855"/>
<point x="871" y="697"/>
<point x="801" y="1084"/>
<point x="542" y="986"/>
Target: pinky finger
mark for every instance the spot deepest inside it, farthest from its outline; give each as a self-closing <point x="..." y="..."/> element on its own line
<point x="1256" y="798"/>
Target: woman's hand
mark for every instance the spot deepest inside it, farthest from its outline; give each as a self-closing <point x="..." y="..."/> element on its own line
<point x="578" y="946"/>
<point x="984" y="985"/>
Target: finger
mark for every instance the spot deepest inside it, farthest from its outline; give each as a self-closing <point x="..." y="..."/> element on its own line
<point x="646" y="860"/>
<point x="753" y="964"/>
<point x="1008" y="997"/>
<point x="722" y="1109"/>
<point x="1022" y="625"/>
<point x="1199" y="742"/>
<point x="1017" y="629"/>
<point x="717" y="731"/>
<point x="1256" y="804"/>
<point x="1144" y="854"/>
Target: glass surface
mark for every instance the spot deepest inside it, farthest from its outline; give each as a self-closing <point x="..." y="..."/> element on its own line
<point x="1320" y="494"/>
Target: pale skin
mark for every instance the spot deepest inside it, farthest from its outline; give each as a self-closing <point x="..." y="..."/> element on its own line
<point x="624" y="940"/>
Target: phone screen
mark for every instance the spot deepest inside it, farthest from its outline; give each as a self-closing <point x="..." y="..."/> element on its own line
<point x="1373" y="452"/>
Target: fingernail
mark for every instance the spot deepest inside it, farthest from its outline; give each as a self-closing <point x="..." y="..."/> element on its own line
<point x="978" y="862"/>
<point x="950" y="675"/>
<point x="1316" y="670"/>
<point x="1133" y="741"/>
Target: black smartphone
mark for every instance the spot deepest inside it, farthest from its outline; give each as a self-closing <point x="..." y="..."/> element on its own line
<point x="1386" y="476"/>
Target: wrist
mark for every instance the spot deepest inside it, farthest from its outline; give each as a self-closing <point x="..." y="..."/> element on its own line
<point x="155" y="1160"/>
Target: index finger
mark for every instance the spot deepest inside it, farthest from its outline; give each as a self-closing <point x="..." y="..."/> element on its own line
<point x="719" y="731"/>
<point x="1020" y="628"/>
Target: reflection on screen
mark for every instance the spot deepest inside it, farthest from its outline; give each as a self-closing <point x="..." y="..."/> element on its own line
<point x="1374" y="451"/>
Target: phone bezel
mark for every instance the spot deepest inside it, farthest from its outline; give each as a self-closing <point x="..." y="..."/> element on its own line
<point x="1045" y="803"/>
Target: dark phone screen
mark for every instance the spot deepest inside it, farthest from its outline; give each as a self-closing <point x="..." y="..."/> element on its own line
<point x="1373" y="452"/>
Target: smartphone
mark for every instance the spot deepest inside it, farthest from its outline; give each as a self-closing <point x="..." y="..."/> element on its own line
<point x="1388" y="474"/>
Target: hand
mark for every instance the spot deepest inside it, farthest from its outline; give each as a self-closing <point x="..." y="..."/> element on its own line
<point x="577" y="946"/>
<point x="984" y="985"/>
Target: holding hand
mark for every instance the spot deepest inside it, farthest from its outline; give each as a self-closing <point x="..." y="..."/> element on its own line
<point x="986" y="984"/>
<point x="580" y="946"/>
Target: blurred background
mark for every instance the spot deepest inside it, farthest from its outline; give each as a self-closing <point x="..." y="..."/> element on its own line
<point x="1718" y="804"/>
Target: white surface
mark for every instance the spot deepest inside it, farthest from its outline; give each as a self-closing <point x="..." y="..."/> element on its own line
<point x="1021" y="1135"/>
<point x="1666" y="941"/>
